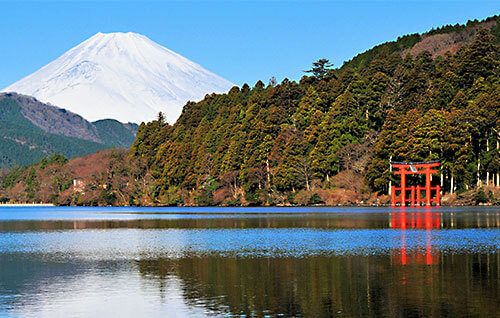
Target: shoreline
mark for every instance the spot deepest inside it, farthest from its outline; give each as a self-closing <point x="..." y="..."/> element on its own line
<point x="253" y="206"/>
<point x="26" y="204"/>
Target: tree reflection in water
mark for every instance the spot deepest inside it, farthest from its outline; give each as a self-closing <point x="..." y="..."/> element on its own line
<point x="327" y="286"/>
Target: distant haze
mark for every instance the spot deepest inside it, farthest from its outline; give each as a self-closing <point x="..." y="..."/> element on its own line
<point x="123" y="76"/>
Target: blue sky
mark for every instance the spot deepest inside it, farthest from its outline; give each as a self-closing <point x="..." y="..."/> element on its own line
<point x="243" y="41"/>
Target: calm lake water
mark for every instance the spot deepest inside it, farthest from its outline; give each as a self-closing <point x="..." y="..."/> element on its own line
<point x="254" y="262"/>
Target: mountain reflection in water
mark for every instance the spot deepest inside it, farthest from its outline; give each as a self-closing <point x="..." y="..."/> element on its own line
<point x="410" y="263"/>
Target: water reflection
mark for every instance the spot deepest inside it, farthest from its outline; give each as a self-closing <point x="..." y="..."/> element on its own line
<point x="404" y="262"/>
<point x="417" y="218"/>
<point x="461" y="285"/>
<point x="325" y="286"/>
<point x="37" y="287"/>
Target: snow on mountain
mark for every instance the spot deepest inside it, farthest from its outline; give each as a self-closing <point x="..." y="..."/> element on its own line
<point x="124" y="76"/>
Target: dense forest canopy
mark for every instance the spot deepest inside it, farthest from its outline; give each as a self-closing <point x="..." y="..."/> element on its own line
<point x="285" y="137"/>
<point x="337" y="128"/>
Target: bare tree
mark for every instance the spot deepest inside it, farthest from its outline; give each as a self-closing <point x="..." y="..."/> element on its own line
<point x="303" y="167"/>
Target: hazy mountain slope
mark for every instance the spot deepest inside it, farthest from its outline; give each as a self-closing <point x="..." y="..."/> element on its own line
<point x="124" y="76"/>
<point x="59" y="121"/>
<point x="52" y="119"/>
<point x="31" y="130"/>
<point x="22" y="143"/>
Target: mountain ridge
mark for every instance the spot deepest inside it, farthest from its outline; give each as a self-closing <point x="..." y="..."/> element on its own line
<point x="54" y="119"/>
<point x="23" y="143"/>
<point x="59" y="121"/>
<point x="31" y="130"/>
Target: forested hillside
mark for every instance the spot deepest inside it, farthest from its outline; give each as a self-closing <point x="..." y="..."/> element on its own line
<point x="31" y="130"/>
<point x="22" y="143"/>
<point x="327" y="139"/>
<point x="263" y="144"/>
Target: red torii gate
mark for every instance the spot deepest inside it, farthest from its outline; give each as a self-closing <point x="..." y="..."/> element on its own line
<point x="415" y="168"/>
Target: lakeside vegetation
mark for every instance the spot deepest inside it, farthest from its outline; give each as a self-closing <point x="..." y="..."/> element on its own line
<point x="327" y="139"/>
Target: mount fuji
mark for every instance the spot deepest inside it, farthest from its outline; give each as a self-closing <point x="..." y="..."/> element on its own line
<point x="124" y="76"/>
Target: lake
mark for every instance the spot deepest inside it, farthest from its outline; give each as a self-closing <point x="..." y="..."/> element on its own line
<point x="249" y="262"/>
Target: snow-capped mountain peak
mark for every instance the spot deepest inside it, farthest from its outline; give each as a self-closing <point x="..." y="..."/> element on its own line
<point x="124" y="76"/>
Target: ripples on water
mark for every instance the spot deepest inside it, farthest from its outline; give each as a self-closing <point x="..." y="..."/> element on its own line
<point x="253" y="262"/>
<point x="177" y="243"/>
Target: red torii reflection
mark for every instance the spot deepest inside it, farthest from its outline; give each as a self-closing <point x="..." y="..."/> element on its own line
<point x="415" y="168"/>
<point x="415" y="220"/>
